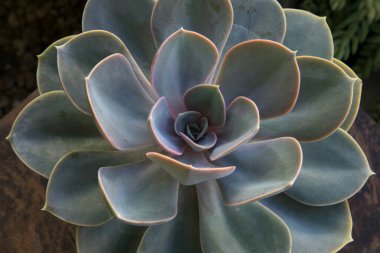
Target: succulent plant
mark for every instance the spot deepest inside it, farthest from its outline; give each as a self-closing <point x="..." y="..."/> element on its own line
<point x="230" y="137"/>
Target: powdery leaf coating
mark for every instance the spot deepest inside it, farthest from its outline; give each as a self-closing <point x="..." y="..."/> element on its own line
<point x="322" y="105"/>
<point x="264" y="71"/>
<point x="47" y="70"/>
<point x="79" y="200"/>
<point x="234" y="229"/>
<point x="127" y="19"/>
<point x="194" y="57"/>
<point x="157" y="193"/>
<point x="333" y="170"/>
<point x="213" y="19"/>
<point x="120" y="120"/>
<point x="357" y="92"/>
<point x="191" y="168"/>
<point x="263" y="169"/>
<point x="180" y="235"/>
<point x="50" y="127"/>
<point x="308" y="34"/>
<point x="311" y="225"/>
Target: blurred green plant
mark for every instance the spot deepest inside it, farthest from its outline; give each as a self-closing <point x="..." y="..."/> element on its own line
<point x="356" y="30"/>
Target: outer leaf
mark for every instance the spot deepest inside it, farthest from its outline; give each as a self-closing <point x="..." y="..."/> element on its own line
<point x="208" y="100"/>
<point x="264" y="71"/>
<point x="191" y="168"/>
<point x="356" y="95"/>
<point x="119" y="104"/>
<point x="313" y="229"/>
<point x="157" y="193"/>
<point x="333" y="170"/>
<point x="73" y="193"/>
<point x="183" y="61"/>
<point x="308" y="34"/>
<point x="257" y="19"/>
<point x="237" y="129"/>
<point x="212" y="18"/>
<point x="47" y="70"/>
<point x="129" y="20"/>
<point x="77" y="58"/>
<point x="248" y="228"/>
<point x="263" y="169"/>
<point x="113" y="237"/>
<point x="162" y="124"/>
<point x="322" y="106"/>
<point x="49" y="128"/>
<point x="178" y="235"/>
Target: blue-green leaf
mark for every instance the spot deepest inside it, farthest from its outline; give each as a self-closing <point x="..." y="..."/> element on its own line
<point x="184" y="60"/>
<point x="212" y="18"/>
<point x="357" y="92"/>
<point x="333" y="170"/>
<point x="50" y="127"/>
<point x="129" y="20"/>
<point x="244" y="229"/>
<point x="313" y="229"/>
<point x="47" y="69"/>
<point x="190" y="168"/>
<point x="208" y="100"/>
<point x="322" y="105"/>
<point x="112" y="237"/>
<point x="162" y="124"/>
<point x="140" y="193"/>
<point x="119" y="103"/>
<point x="242" y="123"/>
<point x="265" y="72"/>
<point x="73" y="193"/>
<point x="178" y="235"/>
<point x="308" y="34"/>
<point x="263" y="169"/>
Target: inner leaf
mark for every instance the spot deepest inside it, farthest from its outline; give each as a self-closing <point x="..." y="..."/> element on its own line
<point x="196" y="130"/>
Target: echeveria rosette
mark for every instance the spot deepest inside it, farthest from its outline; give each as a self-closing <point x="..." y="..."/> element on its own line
<point x="230" y="137"/>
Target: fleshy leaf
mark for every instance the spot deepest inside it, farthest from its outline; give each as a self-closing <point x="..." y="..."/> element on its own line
<point x="244" y="229"/>
<point x="140" y="193"/>
<point x="357" y="92"/>
<point x="213" y="19"/>
<point x="242" y="123"/>
<point x="262" y="170"/>
<point x="78" y="199"/>
<point x="256" y="19"/>
<point x="264" y="71"/>
<point x="205" y="143"/>
<point x="178" y="235"/>
<point x="47" y="70"/>
<point x="185" y="118"/>
<point x="161" y="123"/>
<point x="308" y="34"/>
<point x="77" y="57"/>
<point x="119" y="103"/>
<point x="184" y="60"/>
<point x="50" y="127"/>
<point x="129" y="20"/>
<point x="313" y="229"/>
<point x="112" y="237"/>
<point x="190" y="168"/>
<point x="333" y="170"/>
<point x="208" y="100"/>
<point x="322" y="106"/>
